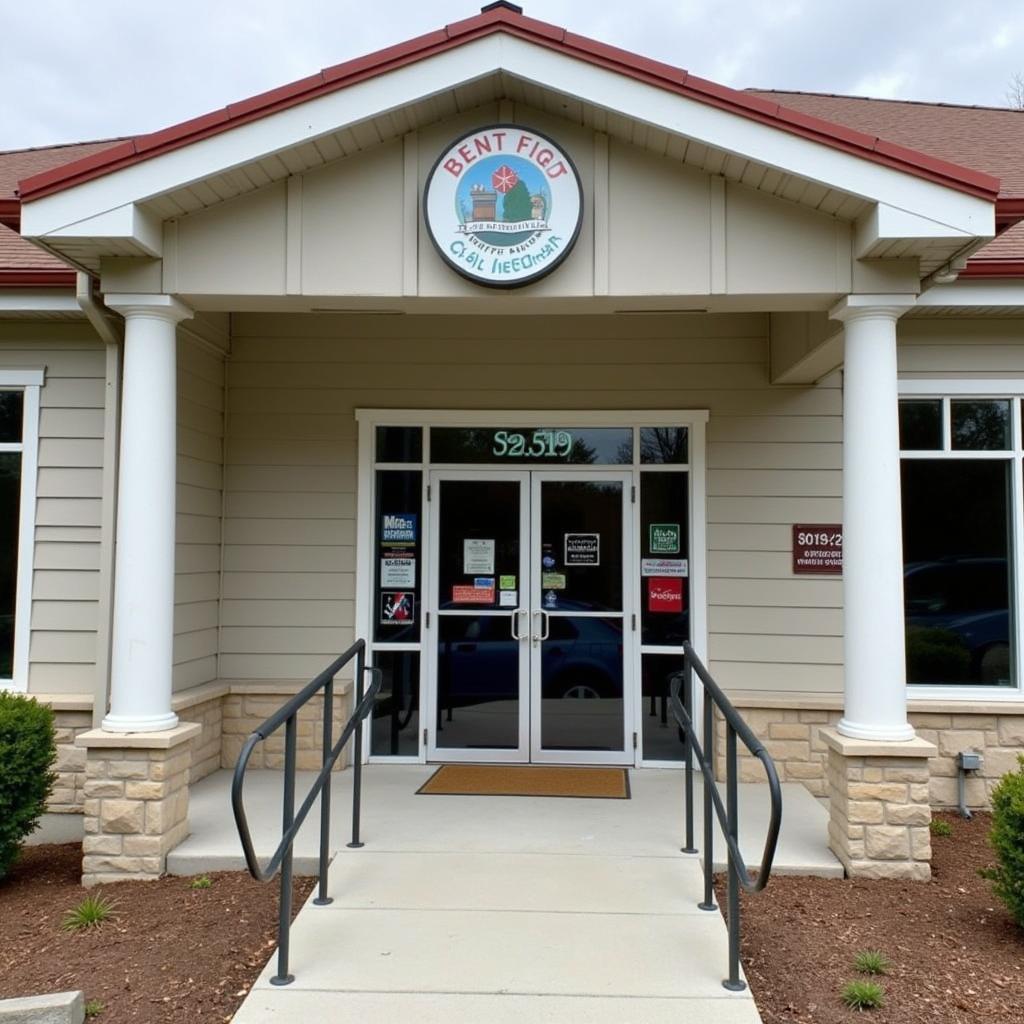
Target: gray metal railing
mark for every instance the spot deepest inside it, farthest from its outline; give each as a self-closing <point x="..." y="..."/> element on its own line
<point x="292" y="821"/>
<point x="737" y="876"/>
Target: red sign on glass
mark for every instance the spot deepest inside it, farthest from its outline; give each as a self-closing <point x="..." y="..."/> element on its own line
<point x="818" y="549"/>
<point x="665" y="594"/>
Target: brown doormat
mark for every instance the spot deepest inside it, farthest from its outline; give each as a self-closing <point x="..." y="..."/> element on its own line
<point x="527" y="780"/>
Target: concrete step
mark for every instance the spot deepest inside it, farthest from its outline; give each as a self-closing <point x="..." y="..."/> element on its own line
<point x="508" y="952"/>
<point x="369" y="880"/>
<point x="285" y="1007"/>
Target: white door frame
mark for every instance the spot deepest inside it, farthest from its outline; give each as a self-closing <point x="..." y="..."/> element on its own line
<point x="369" y="419"/>
<point x="428" y="673"/>
<point x="626" y="754"/>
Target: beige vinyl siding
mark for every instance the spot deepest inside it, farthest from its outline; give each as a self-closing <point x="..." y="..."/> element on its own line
<point x="199" y="502"/>
<point x="774" y="458"/>
<point x="961" y="347"/>
<point x="65" y="584"/>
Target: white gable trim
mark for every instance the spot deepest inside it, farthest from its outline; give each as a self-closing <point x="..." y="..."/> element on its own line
<point x="792" y="154"/>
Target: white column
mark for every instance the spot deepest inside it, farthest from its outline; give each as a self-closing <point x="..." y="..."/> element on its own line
<point x="143" y="631"/>
<point x="875" y="705"/>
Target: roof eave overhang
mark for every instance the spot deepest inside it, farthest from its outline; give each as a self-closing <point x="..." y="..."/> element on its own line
<point x="933" y="199"/>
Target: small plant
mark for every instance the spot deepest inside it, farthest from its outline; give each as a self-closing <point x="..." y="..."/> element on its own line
<point x="93" y="1008"/>
<point x="871" y="961"/>
<point x="27" y="753"/>
<point x="1007" y="839"/>
<point x="938" y="827"/>
<point x="202" y="882"/>
<point x="862" y="995"/>
<point x="90" y="913"/>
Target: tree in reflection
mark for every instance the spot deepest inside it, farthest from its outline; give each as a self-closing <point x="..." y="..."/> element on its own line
<point x="981" y="426"/>
<point x="663" y="444"/>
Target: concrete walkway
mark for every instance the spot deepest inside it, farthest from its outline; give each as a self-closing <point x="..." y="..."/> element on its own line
<point x="506" y="910"/>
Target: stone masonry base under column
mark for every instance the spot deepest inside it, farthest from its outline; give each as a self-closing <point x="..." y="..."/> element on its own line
<point x="136" y="801"/>
<point x="879" y="808"/>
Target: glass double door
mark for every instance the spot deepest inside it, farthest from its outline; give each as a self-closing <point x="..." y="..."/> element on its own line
<point x="529" y="627"/>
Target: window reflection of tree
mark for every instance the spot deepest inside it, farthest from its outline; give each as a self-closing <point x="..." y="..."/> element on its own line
<point x="663" y="444"/>
<point x="981" y="426"/>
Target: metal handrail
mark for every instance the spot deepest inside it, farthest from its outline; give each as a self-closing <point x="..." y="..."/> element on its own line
<point x="727" y="812"/>
<point x="287" y="715"/>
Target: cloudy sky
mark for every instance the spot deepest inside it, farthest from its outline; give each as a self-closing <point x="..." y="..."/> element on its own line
<point x="74" y="70"/>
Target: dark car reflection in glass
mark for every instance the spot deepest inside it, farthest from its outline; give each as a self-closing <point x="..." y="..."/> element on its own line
<point x="958" y="622"/>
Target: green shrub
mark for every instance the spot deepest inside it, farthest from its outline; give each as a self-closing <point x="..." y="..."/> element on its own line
<point x="27" y="753"/>
<point x="202" y="882"/>
<point x="93" y="1008"/>
<point x="862" y="995"/>
<point x="939" y="827"/>
<point x="1007" y="838"/>
<point x="871" y="961"/>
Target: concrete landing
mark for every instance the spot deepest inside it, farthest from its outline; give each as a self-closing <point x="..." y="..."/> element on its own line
<point x="470" y="936"/>
<point x="650" y="824"/>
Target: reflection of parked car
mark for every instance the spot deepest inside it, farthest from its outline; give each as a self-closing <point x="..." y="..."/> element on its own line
<point x="958" y="621"/>
<point x="478" y="659"/>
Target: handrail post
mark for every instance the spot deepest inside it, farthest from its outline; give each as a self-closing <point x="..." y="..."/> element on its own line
<point x="322" y="899"/>
<point x="709" y="835"/>
<point x="688" y="753"/>
<point x="357" y="754"/>
<point x="285" y="903"/>
<point x="733" y="982"/>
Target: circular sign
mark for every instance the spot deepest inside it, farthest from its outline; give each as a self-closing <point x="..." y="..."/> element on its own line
<point x="503" y="205"/>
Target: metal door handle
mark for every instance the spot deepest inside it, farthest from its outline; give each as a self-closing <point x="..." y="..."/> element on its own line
<point x="546" y="623"/>
<point x="515" y="623"/>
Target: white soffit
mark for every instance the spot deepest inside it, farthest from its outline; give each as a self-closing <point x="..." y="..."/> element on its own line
<point x="292" y="138"/>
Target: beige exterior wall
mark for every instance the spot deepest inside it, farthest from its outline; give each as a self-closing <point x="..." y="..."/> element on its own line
<point x="294" y="383"/>
<point x="651" y="226"/>
<point x="199" y="496"/>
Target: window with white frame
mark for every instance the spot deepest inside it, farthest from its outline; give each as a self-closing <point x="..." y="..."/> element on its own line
<point x="19" y="431"/>
<point x="961" y="471"/>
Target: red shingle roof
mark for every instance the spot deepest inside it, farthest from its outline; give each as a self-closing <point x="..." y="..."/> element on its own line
<point x="23" y="163"/>
<point x="986" y="138"/>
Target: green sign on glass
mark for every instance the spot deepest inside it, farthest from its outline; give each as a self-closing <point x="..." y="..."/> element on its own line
<point x="664" y="539"/>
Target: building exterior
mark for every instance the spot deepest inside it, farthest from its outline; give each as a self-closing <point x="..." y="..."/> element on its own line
<point x="526" y="359"/>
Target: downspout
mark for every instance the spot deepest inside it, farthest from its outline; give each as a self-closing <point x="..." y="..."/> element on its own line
<point x="110" y="328"/>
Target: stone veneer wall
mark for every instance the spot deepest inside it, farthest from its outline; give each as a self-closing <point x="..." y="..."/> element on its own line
<point x="68" y="794"/>
<point x="791" y="736"/>
<point x="206" y="756"/>
<point x="243" y="712"/>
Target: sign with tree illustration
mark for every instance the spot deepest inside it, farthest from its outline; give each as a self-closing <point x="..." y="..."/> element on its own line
<point x="503" y="205"/>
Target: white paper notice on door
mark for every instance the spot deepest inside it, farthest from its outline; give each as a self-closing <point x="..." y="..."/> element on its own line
<point x="398" y="572"/>
<point x="478" y="557"/>
<point x="664" y="567"/>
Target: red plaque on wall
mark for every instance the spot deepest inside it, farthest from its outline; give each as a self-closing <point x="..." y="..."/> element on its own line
<point x="818" y="549"/>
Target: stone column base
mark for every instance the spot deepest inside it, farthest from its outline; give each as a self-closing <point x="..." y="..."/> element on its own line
<point x="879" y="808"/>
<point x="136" y="801"/>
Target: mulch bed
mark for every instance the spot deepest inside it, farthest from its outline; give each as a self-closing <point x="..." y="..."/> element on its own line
<point x="957" y="955"/>
<point x="172" y="954"/>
